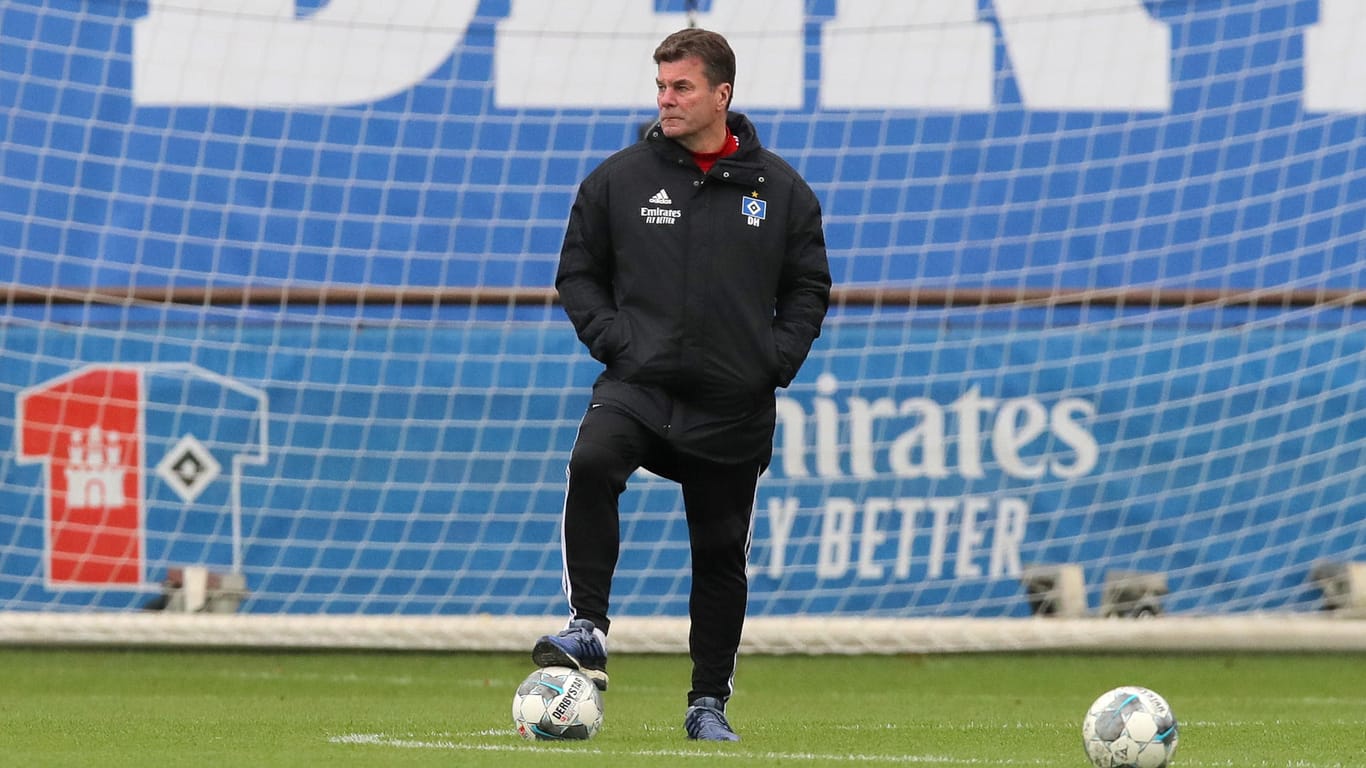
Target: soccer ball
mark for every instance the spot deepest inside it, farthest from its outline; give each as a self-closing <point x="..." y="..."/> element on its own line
<point x="557" y="703"/>
<point x="1129" y="727"/>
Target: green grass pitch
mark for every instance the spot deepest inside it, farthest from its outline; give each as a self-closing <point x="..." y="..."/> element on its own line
<point x="147" y="708"/>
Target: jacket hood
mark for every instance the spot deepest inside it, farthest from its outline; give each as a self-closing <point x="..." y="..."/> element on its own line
<point x="738" y="123"/>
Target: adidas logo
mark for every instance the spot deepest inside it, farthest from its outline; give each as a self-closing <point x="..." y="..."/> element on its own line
<point x="661" y="198"/>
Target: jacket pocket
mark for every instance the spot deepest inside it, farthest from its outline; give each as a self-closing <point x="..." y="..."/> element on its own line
<point x="774" y="359"/>
<point x="610" y="346"/>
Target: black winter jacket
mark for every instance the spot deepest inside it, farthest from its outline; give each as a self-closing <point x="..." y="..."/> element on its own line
<point x="700" y="293"/>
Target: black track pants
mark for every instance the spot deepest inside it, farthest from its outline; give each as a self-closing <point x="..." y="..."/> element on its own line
<point x="719" y="503"/>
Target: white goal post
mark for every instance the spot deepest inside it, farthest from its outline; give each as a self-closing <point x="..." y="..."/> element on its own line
<point x="763" y="635"/>
<point x="283" y="364"/>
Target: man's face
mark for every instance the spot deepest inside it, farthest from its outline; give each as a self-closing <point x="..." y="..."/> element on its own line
<point x="688" y="104"/>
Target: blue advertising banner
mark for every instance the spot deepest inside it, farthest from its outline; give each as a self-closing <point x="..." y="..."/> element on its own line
<point x="432" y="143"/>
<point x="431" y="481"/>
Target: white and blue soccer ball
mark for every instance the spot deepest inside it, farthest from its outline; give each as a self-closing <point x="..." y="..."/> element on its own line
<point x="557" y="703"/>
<point x="1129" y="727"/>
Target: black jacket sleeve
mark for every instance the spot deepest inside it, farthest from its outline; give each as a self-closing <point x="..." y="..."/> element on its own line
<point x="584" y="277"/>
<point x="803" y="290"/>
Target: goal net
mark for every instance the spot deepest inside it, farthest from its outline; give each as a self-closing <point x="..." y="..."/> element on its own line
<point x="281" y="348"/>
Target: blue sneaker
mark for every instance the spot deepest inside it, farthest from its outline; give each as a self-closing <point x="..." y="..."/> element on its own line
<point x="575" y="647"/>
<point x="706" y="720"/>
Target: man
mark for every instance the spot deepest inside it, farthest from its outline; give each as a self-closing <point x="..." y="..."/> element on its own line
<point x="694" y="269"/>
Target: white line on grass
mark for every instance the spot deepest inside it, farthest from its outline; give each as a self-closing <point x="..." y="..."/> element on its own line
<point x="384" y="740"/>
<point x="379" y="739"/>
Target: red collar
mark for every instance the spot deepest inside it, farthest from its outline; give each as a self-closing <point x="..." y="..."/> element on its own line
<point x="705" y="160"/>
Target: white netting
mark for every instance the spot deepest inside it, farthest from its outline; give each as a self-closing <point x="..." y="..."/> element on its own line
<point x="279" y="286"/>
